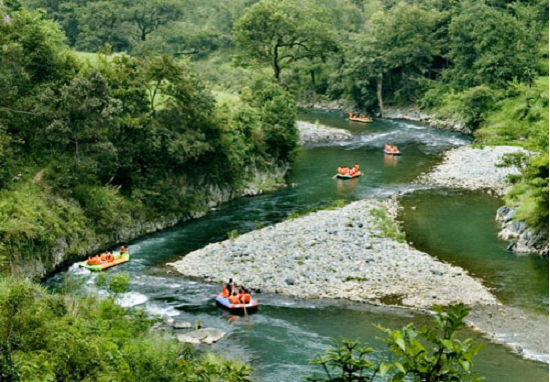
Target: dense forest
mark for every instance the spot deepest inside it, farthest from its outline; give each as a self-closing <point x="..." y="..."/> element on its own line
<point x="89" y="149"/>
<point x="481" y="63"/>
<point x="117" y="113"/>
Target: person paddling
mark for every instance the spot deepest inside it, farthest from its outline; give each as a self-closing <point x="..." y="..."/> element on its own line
<point x="234" y="298"/>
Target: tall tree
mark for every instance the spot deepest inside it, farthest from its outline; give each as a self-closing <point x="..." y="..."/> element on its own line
<point x="149" y="15"/>
<point x="280" y="32"/>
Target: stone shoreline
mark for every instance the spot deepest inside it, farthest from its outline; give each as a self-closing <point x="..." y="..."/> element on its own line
<point x="413" y="114"/>
<point x="522" y="331"/>
<point x="317" y="133"/>
<point x="340" y="253"/>
<point x="474" y="169"/>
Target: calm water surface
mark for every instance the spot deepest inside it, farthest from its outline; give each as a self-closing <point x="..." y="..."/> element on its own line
<point x="279" y="339"/>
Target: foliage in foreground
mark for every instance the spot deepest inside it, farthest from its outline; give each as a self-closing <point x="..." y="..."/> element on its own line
<point x="421" y="355"/>
<point x="62" y="337"/>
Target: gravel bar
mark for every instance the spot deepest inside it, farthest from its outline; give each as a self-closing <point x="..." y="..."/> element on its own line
<point x="338" y="253"/>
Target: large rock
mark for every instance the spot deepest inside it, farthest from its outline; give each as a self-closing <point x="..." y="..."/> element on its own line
<point x="182" y="325"/>
<point x="522" y="238"/>
<point x="202" y="336"/>
<point x="315" y="133"/>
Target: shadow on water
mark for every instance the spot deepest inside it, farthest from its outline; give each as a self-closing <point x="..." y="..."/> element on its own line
<point x="285" y="333"/>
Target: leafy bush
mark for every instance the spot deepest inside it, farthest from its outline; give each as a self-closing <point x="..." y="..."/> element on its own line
<point x="421" y="355"/>
<point x="65" y="338"/>
<point x="390" y="229"/>
<point x="32" y="220"/>
<point x="522" y="119"/>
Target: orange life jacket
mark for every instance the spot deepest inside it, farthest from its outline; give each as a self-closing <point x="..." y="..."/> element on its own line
<point x="110" y="258"/>
<point x="234" y="299"/>
<point x="225" y="291"/>
<point x="122" y="250"/>
<point x="246" y="298"/>
<point x="345" y="171"/>
<point x="103" y="257"/>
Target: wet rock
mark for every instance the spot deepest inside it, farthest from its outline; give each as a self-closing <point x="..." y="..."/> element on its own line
<point x="522" y="238"/>
<point x="202" y="336"/>
<point x="182" y="325"/>
<point x="315" y="133"/>
<point x="412" y="114"/>
<point x="290" y="281"/>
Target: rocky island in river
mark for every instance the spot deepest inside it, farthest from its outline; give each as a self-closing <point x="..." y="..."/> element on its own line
<point x="337" y="253"/>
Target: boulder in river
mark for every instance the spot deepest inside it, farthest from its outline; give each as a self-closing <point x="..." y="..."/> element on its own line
<point x="202" y="336"/>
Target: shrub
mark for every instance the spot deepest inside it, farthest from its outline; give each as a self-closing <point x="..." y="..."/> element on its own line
<point x="421" y="355"/>
<point x="390" y="229"/>
<point x="65" y="338"/>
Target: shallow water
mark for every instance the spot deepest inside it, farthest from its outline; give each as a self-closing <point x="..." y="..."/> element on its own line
<point x="279" y="339"/>
<point x="458" y="227"/>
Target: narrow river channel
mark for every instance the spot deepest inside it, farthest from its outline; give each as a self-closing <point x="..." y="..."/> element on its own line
<point x="278" y="340"/>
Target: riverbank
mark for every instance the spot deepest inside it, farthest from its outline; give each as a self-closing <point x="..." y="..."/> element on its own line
<point x="525" y="333"/>
<point x="341" y="253"/>
<point x="316" y="133"/>
<point x="41" y="267"/>
<point x="474" y="168"/>
<point x="414" y="114"/>
<point x="479" y="169"/>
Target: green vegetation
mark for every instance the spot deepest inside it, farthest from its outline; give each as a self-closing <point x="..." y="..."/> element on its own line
<point x="278" y="33"/>
<point x="521" y="118"/>
<point x="420" y="355"/>
<point x="104" y="142"/>
<point x="57" y="337"/>
<point x="390" y="229"/>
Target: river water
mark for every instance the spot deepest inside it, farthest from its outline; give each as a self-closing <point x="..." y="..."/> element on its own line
<point x="279" y="339"/>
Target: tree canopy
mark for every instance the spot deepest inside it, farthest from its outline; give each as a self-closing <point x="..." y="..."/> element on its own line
<point x="278" y="33"/>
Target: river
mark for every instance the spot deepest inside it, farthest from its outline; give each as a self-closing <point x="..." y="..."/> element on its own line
<point x="278" y="340"/>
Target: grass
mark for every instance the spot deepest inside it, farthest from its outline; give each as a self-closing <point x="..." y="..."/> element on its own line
<point x="390" y="229"/>
<point x="233" y="234"/>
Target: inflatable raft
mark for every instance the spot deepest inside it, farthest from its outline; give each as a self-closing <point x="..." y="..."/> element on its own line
<point x="223" y="302"/>
<point x="392" y="153"/>
<point x="118" y="259"/>
<point x="361" y="119"/>
<point x="356" y="175"/>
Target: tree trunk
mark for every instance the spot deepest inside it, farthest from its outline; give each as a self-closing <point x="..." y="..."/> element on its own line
<point x="313" y="80"/>
<point x="276" y="67"/>
<point x="379" y="80"/>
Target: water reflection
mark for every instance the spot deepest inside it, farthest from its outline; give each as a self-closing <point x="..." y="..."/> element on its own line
<point x="391" y="160"/>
